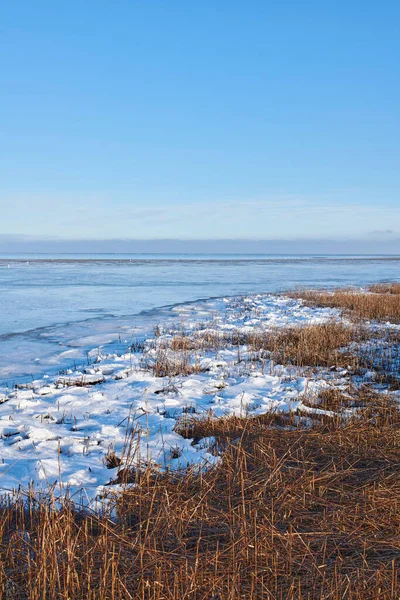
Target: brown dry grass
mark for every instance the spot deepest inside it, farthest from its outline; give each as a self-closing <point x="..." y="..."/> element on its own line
<point x="199" y="341"/>
<point x="179" y="362"/>
<point x="314" y="345"/>
<point x="385" y="288"/>
<point x="309" y="345"/>
<point x="332" y="344"/>
<point x="382" y="303"/>
<point x="304" y="513"/>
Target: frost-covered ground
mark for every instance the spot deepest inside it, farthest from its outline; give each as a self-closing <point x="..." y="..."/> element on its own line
<point x="58" y="431"/>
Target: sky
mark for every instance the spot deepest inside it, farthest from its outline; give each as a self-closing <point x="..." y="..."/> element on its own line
<point x="191" y="120"/>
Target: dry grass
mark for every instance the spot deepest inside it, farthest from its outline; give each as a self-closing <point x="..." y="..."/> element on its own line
<point x="289" y="513"/>
<point x="208" y="340"/>
<point x="382" y="303"/>
<point x="331" y="344"/>
<point x="385" y="288"/>
<point x="319" y="344"/>
<point x="171" y="364"/>
<point x="111" y="459"/>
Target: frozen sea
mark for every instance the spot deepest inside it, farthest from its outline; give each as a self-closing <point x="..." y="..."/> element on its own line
<point x="54" y="309"/>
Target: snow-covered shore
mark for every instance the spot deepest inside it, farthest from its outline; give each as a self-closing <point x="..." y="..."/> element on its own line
<point x="58" y="431"/>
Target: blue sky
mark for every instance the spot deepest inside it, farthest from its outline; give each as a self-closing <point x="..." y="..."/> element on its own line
<point x="213" y="119"/>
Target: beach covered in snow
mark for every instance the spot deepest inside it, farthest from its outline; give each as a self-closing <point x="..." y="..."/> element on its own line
<point x="76" y="430"/>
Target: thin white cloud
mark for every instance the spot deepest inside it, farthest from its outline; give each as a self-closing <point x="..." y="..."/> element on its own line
<point x="275" y="217"/>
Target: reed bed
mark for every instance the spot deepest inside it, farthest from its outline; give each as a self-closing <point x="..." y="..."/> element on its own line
<point x="302" y="512"/>
<point x="332" y="344"/>
<point x="320" y="344"/>
<point x="381" y="303"/>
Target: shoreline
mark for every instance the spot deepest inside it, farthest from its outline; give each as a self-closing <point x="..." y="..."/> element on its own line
<point x="258" y="449"/>
<point x="62" y="428"/>
<point x="62" y="303"/>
